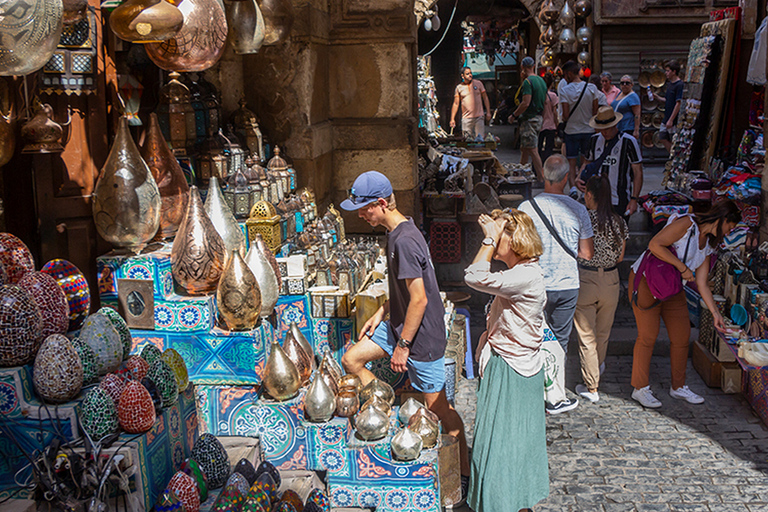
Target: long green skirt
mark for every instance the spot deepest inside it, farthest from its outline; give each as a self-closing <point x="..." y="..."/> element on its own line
<point x="510" y="470"/>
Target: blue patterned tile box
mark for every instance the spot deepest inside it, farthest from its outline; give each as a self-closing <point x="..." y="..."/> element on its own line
<point x="185" y="314"/>
<point x="154" y="266"/>
<point x="293" y="308"/>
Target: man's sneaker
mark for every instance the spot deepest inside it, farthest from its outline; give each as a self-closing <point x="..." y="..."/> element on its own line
<point x="686" y="394"/>
<point x="646" y="398"/>
<point x="583" y="392"/>
<point x="464" y="493"/>
<point x="566" y="405"/>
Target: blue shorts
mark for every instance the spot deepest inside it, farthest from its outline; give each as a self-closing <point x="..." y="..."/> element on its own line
<point x="426" y="376"/>
<point x="577" y="144"/>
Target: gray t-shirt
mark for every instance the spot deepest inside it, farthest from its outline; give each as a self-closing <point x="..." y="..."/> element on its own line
<point x="408" y="258"/>
<point x="578" y="119"/>
<point x="571" y="221"/>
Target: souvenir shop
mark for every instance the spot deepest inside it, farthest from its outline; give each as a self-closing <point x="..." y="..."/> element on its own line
<point x="209" y="377"/>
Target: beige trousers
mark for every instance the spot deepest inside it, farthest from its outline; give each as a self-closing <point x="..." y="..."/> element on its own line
<point x="593" y="319"/>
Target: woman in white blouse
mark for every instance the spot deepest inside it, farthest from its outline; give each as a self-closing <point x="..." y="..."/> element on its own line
<point x="509" y="468"/>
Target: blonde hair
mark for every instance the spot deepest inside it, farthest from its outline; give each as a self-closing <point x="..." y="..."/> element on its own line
<point x="525" y="240"/>
<point x="391" y="203"/>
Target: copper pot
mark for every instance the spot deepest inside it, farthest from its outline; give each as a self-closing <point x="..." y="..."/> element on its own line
<point x="347" y="403"/>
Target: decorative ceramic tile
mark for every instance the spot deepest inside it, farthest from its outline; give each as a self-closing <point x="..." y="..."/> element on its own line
<point x="154" y="266"/>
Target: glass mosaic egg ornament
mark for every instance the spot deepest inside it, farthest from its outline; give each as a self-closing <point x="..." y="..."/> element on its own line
<point x="179" y="367"/>
<point x="168" y="502"/>
<point x="87" y="358"/>
<point x="212" y="458"/>
<point x="291" y="497"/>
<point x="50" y="299"/>
<point x="257" y="500"/>
<point x="154" y="393"/>
<point x="58" y="372"/>
<point x="240" y="482"/>
<point x="230" y="500"/>
<point x="185" y="487"/>
<point x="165" y="380"/>
<point x="137" y="367"/>
<point x="99" y="334"/>
<point x="151" y="353"/>
<point x="285" y="506"/>
<point x="75" y="288"/>
<point x="20" y="324"/>
<point x="311" y="506"/>
<point x="113" y="385"/>
<point x="15" y="257"/>
<point x="268" y="467"/>
<point x="245" y="468"/>
<point x="192" y="468"/>
<point x="121" y="327"/>
<point x="136" y="412"/>
<point x="98" y="414"/>
<point x="269" y="486"/>
<point x="319" y="498"/>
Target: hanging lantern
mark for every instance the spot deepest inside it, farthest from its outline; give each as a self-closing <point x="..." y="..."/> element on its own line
<point x="42" y="132"/>
<point x="176" y="115"/>
<point x="29" y="34"/>
<point x="567" y="37"/>
<point x="549" y="13"/>
<point x="566" y="14"/>
<point x="584" y="35"/>
<point x="583" y="58"/>
<point x="146" y="21"/>
<point x="549" y="36"/>
<point x="246" y="26"/>
<point x="278" y="20"/>
<point x="548" y="58"/>
<point x="583" y="8"/>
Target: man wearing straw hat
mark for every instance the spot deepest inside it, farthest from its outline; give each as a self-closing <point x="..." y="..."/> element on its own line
<point x="618" y="155"/>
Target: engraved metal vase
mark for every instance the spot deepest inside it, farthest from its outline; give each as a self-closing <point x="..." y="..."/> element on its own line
<point x="246" y="26"/>
<point x="351" y="380"/>
<point x="281" y="378"/>
<point x="328" y="375"/>
<point x="371" y="424"/>
<point x="197" y="256"/>
<point x="408" y="409"/>
<point x="146" y="21"/>
<point x="406" y="445"/>
<point x="221" y="216"/>
<point x="299" y="357"/>
<point x="29" y="34"/>
<point x="259" y="242"/>
<point x="200" y="42"/>
<point x="425" y="428"/>
<point x="304" y="343"/>
<point x="174" y="190"/>
<point x="238" y="297"/>
<point x="336" y="369"/>
<point x="378" y="388"/>
<point x="423" y="411"/>
<point x="378" y="403"/>
<point x="265" y="275"/>
<point x="126" y="200"/>
<point x="42" y="133"/>
<point x="347" y="404"/>
<point x="320" y="402"/>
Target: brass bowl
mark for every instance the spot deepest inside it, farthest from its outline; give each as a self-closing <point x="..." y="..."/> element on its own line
<point x="644" y="79"/>
<point x="658" y="78"/>
<point x="646" y="139"/>
<point x="648" y="104"/>
<point x="657" y="119"/>
<point x="646" y="120"/>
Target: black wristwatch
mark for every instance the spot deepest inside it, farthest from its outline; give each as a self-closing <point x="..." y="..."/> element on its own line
<point x="404" y="343"/>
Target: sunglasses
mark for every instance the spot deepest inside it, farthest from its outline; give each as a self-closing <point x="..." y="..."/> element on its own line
<point x="625" y="83"/>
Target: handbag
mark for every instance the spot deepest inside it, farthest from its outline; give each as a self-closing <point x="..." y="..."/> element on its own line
<point x="664" y="280"/>
<point x="562" y="126"/>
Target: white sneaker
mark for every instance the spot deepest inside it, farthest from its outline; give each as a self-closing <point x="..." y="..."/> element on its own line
<point x="602" y="368"/>
<point x="646" y="398"/>
<point x="686" y="394"/>
<point x="582" y="390"/>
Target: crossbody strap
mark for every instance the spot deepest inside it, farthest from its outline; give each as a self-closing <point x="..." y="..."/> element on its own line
<point x="551" y="229"/>
<point x="576" y="105"/>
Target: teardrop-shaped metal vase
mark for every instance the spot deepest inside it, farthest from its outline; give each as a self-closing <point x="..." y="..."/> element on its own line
<point x="408" y="409"/>
<point x="265" y="275"/>
<point x="29" y="33"/>
<point x="259" y="242"/>
<point x="197" y="257"/>
<point x="304" y="343"/>
<point x="380" y="389"/>
<point x="200" y="42"/>
<point x="146" y="21"/>
<point x="406" y="445"/>
<point x="281" y="378"/>
<point x="320" y="402"/>
<point x="126" y="200"/>
<point x="297" y="355"/>
<point x="246" y="26"/>
<point x="425" y="428"/>
<point x="378" y="403"/>
<point x="221" y="216"/>
<point x="174" y="190"/>
<point x="371" y="424"/>
<point x="238" y="297"/>
<point x="328" y="376"/>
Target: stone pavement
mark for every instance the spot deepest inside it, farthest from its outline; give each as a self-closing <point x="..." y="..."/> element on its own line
<point x="616" y="456"/>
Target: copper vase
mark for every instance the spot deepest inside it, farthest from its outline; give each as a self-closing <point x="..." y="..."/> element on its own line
<point x="265" y="275"/>
<point x="281" y="378"/>
<point x="174" y="190"/>
<point x="278" y="20"/>
<point x="197" y="257"/>
<point x="126" y="200"/>
<point x="426" y="429"/>
<point x="221" y="216"/>
<point x="304" y="343"/>
<point x="246" y="26"/>
<point x="200" y="42"/>
<point x="29" y="33"/>
<point x="298" y="356"/>
<point x="146" y="21"/>
<point x="237" y="296"/>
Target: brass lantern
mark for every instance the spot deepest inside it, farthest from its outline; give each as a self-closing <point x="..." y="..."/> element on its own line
<point x="247" y="129"/>
<point x="176" y="115"/>
<point x="279" y="167"/>
<point x="265" y="221"/>
<point x="238" y="195"/>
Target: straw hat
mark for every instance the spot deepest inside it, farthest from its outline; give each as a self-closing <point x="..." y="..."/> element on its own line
<point x="605" y="118"/>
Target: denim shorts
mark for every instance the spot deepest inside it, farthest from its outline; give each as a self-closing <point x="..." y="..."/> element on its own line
<point x="426" y="376"/>
<point x="577" y="144"/>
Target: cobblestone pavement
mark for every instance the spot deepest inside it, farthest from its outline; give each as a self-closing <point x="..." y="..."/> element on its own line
<point x="616" y="456"/>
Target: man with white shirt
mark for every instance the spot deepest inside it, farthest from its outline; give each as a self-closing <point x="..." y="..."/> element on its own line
<point x="578" y="100"/>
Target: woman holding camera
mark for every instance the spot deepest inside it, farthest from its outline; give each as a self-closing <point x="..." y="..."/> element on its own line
<point x="509" y="469"/>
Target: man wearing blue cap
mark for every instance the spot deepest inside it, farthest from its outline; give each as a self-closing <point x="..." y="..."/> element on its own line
<point x="414" y="335"/>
